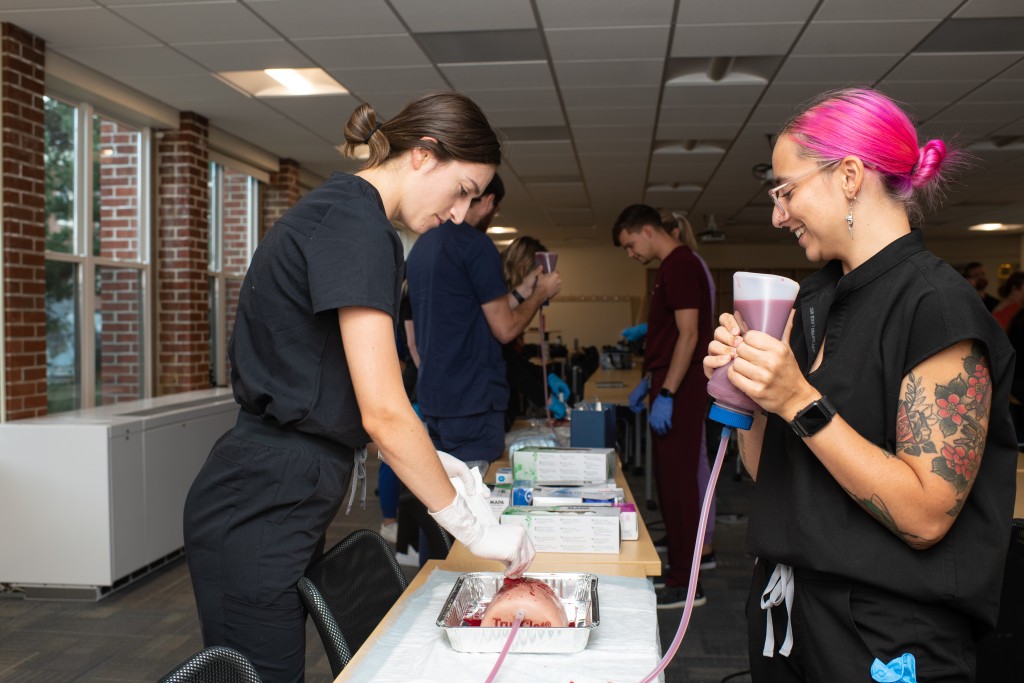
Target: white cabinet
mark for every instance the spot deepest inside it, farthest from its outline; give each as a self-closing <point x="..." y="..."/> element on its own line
<point x="88" y="498"/>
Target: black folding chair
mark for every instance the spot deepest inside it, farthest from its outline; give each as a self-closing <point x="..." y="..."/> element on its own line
<point x="349" y="590"/>
<point x="214" y="665"/>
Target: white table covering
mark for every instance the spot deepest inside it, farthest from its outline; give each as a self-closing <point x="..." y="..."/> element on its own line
<point x="622" y="649"/>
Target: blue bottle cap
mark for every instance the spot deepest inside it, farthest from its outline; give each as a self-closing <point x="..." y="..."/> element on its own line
<point x="730" y="417"/>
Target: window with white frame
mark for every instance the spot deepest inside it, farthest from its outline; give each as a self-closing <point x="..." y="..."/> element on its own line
<point x="98" y="323"/>
<point x="234" y="230"/>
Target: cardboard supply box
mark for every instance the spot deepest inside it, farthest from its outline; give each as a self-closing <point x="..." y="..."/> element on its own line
<point x="564" y="466"/>
<point x="501" y="498"/>
<point x="568" y="528"/>
<point x="629" y="526"/>
<point x="606" y="494"/>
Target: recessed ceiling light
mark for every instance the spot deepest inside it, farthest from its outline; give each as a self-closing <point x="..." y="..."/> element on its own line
<point x="499" y="230"/>
<point x="284" y="82"/>
<point x="996" y="227"/>
<point x="503" y="243"/>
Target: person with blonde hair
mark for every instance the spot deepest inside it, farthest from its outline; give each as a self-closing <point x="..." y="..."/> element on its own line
<point x="883" y="455"/>
<point x="316" y="373"/>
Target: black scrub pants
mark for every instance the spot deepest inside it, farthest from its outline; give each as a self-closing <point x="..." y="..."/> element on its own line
<point x="255" y="518"/>
<point x="840" y="627"/>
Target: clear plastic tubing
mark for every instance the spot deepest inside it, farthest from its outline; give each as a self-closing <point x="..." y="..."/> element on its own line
<point x="705" y="510"/>
<point x="520" y="615"/>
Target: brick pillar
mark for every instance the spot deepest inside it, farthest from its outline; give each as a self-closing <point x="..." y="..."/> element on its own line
<point x="281" y="194"/>
<point x="23" y="220"/>
<point x="183" y="335"/>
<point x="119" y="295"/>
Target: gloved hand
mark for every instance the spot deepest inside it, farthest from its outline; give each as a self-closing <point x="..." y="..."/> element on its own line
<point x="558" y="386"/>
<point x="638" y="396"/>
<point x="556" y="408"/>
<point x="660" y="418"/>
<point x="484" y="538"/>
<point x="456" y="469"/>
<point x="635" y="333"/>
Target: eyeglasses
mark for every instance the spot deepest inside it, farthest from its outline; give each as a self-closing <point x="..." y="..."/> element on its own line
<point x="774" y="193"/>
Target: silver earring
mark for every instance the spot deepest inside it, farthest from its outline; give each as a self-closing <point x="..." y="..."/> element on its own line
<point x="849" y="217"/>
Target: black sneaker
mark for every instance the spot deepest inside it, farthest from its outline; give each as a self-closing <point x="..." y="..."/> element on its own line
<point x="674" y="597"/>
<point x="708" y="561"/>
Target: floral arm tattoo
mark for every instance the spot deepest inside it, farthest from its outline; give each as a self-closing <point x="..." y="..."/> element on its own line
<point x="948" y="425"/>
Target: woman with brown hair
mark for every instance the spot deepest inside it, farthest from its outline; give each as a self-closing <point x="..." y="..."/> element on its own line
<point x="316" y="373"/>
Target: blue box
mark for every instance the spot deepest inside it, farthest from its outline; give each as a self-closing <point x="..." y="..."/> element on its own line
<point x="522" y="492"/>
<point x="593" y="428"/>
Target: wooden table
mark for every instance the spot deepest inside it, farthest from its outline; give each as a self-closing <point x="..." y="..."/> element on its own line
<point x="611" y="386"/>
<point x="635" y="558"/>
<point x="1018" y="506"/>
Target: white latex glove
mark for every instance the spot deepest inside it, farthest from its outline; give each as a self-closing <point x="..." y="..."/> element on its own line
<point x="508" y="544"/>
<point x="456" y="469"/>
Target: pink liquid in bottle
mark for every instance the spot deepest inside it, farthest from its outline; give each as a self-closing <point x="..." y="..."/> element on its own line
<point x="768" y="316"/>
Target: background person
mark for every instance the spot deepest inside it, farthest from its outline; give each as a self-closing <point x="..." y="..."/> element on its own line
<point x="884" y="458"/>
<point x="316" y="372"/>
<point x="679" y="227"/>
<point x="1012" y="292"/>
<point x="974" y="272"/>
<point x="678" y="324"/>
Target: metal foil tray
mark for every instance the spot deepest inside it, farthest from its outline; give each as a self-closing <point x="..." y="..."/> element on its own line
<point x="473" y="592"/>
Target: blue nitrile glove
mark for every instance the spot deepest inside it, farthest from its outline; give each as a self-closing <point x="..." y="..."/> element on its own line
<point x="558" y="386"/>
<point x="635" y="333"/>
<point x="660" y="418"/>
<point x="556" y="408"/>
<point x="638" y="397"/>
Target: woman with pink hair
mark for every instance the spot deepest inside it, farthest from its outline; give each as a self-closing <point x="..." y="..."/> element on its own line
<point x="884" y="455"/>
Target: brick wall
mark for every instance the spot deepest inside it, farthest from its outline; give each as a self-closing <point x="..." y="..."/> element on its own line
<point x="183" y="336"/>
<point x="119" y="290"/>
<point x="281" y="193"/>
<point x="22" y="63"/>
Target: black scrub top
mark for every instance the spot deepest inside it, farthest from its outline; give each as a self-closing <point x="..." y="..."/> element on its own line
<point x="879" y="322"/>
<point x="334" y="249"/>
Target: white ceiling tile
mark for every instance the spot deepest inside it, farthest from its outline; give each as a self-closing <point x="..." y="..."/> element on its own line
<point x="540" y="148"/>
<point x="872" y="9"/>
<point x="919" y="92"/>
<point x="613" y="13"/>
<point x="862" y="37"/>
<point x="363" y="52"/>
<point x="980" y="111"/>
<point x="717" y="94"/>
<point x="517" y="118"/>
<point x="498" y="100"/>
<point x="499" y="75"/>
<point x="246" y="56"/>
<point x="544" y="166"/>
<point x="456" y="15"/>
<point x="975" y="9"/>
<point x="955" y="67"/>
<point x="147" y="60"/>
<point x="844" y="68"/>
<point x="733" y="40"/>
<point x="194" y="88"/>
<point x="198" y="23"/>
<point x="571" y="216"/>
<point x="1015" y="71"/>
<point x="606" y="146"/>
<point x="627" y="132"/>
<point x="78" y="27"/>
<point x="46" y="4"/>
<point x="793" y="94"/>
<point x="669" y="130"/>
<point x="407" y="79"/>
<point x="608" y="43"/>
<point x="619" y="72"/>
<point x="329" y="111"/>
<point x="726" y="11"/>
<point x="645" y="96"/>
<point x="328" y="18"/>
<point x="704" y="115"/>
<point x="1000" y="90"/>
<point x="609" y="116"/>
<point x="565" y="194"/>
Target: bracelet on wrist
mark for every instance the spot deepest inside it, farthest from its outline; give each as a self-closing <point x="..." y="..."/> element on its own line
<point x="517" y="296"/>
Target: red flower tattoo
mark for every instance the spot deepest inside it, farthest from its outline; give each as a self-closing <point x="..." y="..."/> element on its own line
<point x="951" y="408"/>
<point x="963" y="461"/>
<point x="979" y="385"/>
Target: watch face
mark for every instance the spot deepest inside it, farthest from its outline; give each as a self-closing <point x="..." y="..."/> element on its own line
<point x="813" y="417"/>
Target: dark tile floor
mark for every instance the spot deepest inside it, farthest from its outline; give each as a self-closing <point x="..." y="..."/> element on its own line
<point x="142" y="631"/>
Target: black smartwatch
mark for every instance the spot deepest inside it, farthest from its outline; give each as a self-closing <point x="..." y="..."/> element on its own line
<point x="517" y="296"/>
<point x="666" y="393"/>
<point x="812" y="418"/>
